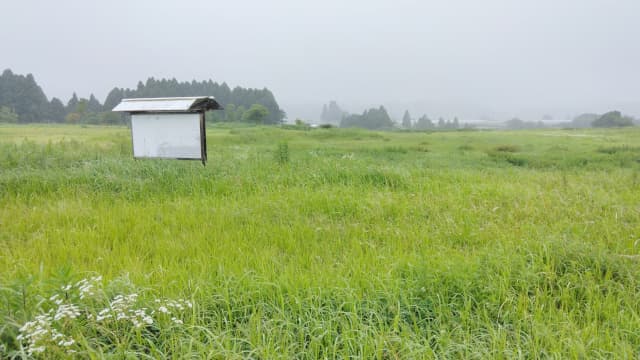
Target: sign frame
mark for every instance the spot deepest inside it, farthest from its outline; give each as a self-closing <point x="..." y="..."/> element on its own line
<point x="166" y="107"/>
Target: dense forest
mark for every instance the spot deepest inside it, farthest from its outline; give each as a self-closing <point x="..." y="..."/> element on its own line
<point x="22" y="100"/>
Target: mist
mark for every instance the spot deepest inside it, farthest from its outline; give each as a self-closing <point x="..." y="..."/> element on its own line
<point x="494" y="59"/>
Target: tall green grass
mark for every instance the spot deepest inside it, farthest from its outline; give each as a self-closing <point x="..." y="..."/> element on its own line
<point x="335" y="243"/>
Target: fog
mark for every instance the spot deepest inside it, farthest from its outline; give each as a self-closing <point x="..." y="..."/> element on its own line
<point x="491" y="59"/>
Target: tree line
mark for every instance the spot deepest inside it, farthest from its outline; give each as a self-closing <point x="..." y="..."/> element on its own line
<point x="22" y="100"/>
<point x="609" y="119"/>
<point x="379" y="119"/>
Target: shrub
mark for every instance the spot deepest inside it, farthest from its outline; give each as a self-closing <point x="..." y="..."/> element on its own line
<point x="507" y="148"/>
<point x="282" y="153"/>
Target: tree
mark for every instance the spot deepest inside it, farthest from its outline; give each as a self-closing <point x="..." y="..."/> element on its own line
<point x="518" y="124"/>
<point x="7" y="115"/>
<point x="72" y="104"/>
<point x="424" y="123"/>
<point x="230" y="113"/>
<point x="113" y="99"/>
<point x="441" y="123"/>
<point x="57" y="112"/>
<point x="110" y="118"/>
<point x="93" y="105"/>
<point x="613" y="119"/>
<point x="233" y="113"/>
<point x="515" y="124"/>
<point x="406" y="120"/>
<point x="82" y="106"/>
<point x="375" y="119"/>
<point x="256" y="114"/>
<point x="239" y="115"/>
<point x="239" y="97"/>
<point x="73" y="118"/>
<point x="332" y="113"/>
<point x="584" y="120"/>
<point x="24" y="96"/>
<point x="456" y="123"/>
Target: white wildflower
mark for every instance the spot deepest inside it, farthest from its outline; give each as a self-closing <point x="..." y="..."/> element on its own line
<point x="89" y="287"/>
<point x="103" y="317"/>
<point x="48" y="329"/>
<point x="66" y="343"/>
<point x="69" y="311"/>
<point x="35" y="350"/>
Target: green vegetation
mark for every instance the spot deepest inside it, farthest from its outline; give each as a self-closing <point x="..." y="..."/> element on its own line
<point x="584" y="120"/>
<point x="406" y="120"/>
<point x="327" y="243"/>
<point x="613" y="119"/>
<point x="237" y="99"/>
<point x="332" y="113"/>
<point x="20" y="95"/>
<point x="375" y="119"/>
<point x="424" y="123"/>
<point x="7" y="115"/>
<point x="256" y="114"/>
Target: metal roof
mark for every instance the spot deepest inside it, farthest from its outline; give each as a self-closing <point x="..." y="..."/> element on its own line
<point x="169" y="104"/>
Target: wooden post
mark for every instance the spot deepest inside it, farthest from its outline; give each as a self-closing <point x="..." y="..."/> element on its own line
<point x="203" y="139"/>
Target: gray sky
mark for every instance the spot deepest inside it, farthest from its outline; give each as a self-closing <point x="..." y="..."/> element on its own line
<point x="470" y="58"/>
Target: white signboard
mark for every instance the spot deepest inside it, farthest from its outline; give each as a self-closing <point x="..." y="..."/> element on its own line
<point x="172" y="136"/>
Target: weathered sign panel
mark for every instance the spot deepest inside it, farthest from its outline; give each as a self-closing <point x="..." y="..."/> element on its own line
<point x="170" y="136"/>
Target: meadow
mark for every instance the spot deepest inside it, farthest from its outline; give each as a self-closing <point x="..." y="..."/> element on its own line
<point x="326" y="243"/>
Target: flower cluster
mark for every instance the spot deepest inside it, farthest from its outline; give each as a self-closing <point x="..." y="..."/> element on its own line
<point x="89" y="288"/>
<point x="122" y="308"/>
<point x="170" y="307"/>
<point x="41" y="333"/>
<point x="52" y="329"/>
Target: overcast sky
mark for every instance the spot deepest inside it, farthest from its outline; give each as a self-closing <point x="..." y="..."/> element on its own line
<point x="472" y="58"/>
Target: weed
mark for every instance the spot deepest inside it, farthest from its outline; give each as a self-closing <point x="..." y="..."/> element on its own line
<point x="507" y="148"/>
<point x="282" y="153"/>
<point x="619" y="149"/>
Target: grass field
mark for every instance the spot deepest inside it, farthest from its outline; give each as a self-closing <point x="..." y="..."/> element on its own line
<point x="328" y="243"/>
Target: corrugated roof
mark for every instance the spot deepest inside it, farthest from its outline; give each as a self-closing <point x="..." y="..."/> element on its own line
<point x="171" y="104"/>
